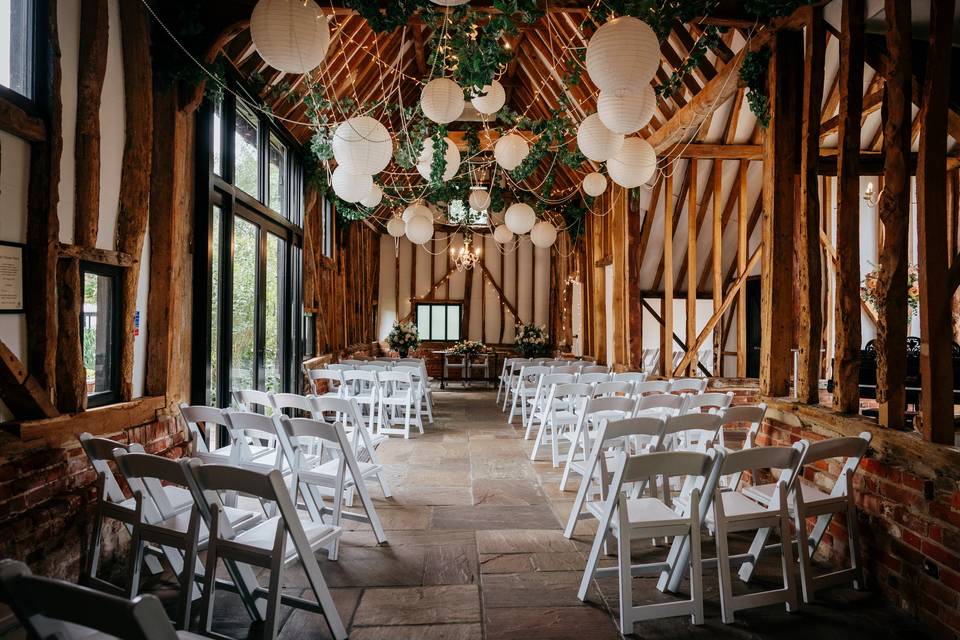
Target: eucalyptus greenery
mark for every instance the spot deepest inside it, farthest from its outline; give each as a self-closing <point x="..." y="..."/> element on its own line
<point x="753" y="72"/>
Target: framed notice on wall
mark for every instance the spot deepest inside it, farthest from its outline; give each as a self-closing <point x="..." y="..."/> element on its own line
<point x="11" y="277"/>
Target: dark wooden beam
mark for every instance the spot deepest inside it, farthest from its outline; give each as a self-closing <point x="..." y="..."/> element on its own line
<point x="71" y="375"/>
<point x="20" y="391"/>
<point x="16" y="121"/>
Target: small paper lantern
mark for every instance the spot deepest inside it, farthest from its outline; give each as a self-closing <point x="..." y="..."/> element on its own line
<point x="502" y="235"/>
<point x="622" y="54"/>
<point x="373" y="198"/>
<point x="520" y="218"/>
<point x="449" y="3"/>
<point x="479" y="200"/>
<point x="596" y="141"/>
<point x="510" y="151"/>
<point x="417" y="209"/>
<point x="290" y="35"/>
<point x="490" y="99"/>
<point x="351" y="187"/>
<point x="442" y="100"/>
<point x="452" y="156"/>
<point x="634" y="164"/>
<point x="543" y="234"/>
<point x="362" y="145"/>
<point x="419" y="229"/>
<point x="594" y="184"/>
<point x="626" y="110"/>
<point x="396" y="227"/>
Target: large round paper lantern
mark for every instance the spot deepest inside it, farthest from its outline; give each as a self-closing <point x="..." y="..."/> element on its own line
<point x="634" y="164"/>
<point x="452" y="156"/>
<point x="419" y="229"/>
<point x="502" y="235"/>
<point x="510" y="151"/>
<point x="290" y="35"/>
<point x="449" y="3"/>
<point x="396" y="227"/>
<point x="626" y="110"/>
<point x="417" y="209"/>
<point x="594" y="184"/>
<point x="351" y="187"/>
<point x="623" y="53"/>
<point x="362" y="145"/>
<point x="442" y="100"/>
<point x="520" y="218"/>
<point x="490" y="99"/>
<point x="373" y="198"/>
<point x="479" y="200"/>
<point x="543" y="234"/>
<point x="596" y="141"/>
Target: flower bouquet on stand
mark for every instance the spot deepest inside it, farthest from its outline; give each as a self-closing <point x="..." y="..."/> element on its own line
<point x="531" y="340"/>
<point x="469" y="348"/>
<point x="870" y="290"/>
<point x="404" y="338"/>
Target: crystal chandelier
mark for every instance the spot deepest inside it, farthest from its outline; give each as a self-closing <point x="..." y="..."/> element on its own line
<point x="466" y="257"/>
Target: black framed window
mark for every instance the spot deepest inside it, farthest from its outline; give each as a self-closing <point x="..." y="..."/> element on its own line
<point x="438" y="321"/>
<point x="100" y="327"/>
<point x="18" y="59"/>
<point x="326" y="220"/>
<point x="249" y="331"/>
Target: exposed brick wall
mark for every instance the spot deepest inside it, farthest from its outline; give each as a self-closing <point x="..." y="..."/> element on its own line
<point x="47" y="497"/>
<point x="909" y="532"/>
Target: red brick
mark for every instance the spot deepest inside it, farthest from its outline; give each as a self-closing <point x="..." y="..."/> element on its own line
<point x="949" y="559"/>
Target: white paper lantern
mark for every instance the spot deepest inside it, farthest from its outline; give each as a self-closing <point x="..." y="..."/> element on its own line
<point x="425" y="162"/>
<point x="417" y="209"/>
<point x="419" y="229"/>
<point x="634" y="164"/>
<point x="490" y="99"/>
<point x="449" y="3"/>
<point x="596" y="141"/>
<point x="502" y="235"/>
<point x="442" y="100"/>
<point x="626" y="110"/>
<point x="373" y="198"/>
<point x="396" y="227"/>
<point x="479" y="200"/>
<point x="594" y="184"/>
<point x="362" y="145"/>
<point x="290" y="35"/>
<point x="510" y="151"/>
<point x="520" y="218"/>
<point x="623" y="53"/>
<point x="351" y="187"/>
<point x="543" y="234"/>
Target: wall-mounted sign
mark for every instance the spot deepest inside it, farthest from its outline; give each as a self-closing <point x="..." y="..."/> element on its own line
<point x="11" y="277"/>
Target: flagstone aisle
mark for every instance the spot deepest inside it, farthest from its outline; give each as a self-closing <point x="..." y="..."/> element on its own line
<point x="476" y="551"/>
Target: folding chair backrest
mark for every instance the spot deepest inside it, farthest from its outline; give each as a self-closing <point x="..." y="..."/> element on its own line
<point x="597" y="405"/>
<point x="246" y="424"/>
<point x="415" y="362"/>
<point x="340" y="366"/>
<point x="333" y="378"/>
<point x="577" y="394"/>
<point x="196" y="415"/>
<point x="557" y="378"/>
<point x="100" y="452"/>
<point x="530" y="375"/>
<point x="633" y="377"/>
<point x="669" y="464"/>
<point x="558" y="363"/>
<point x="785" y="459"/>
<point x="352" y="362"/>
<point x="612" y="388"/>
<point x="153" y="470"/>
<point x="593" y="378"/>
<point x="745" y="414"/>
<point x="642" y="426"/>
<point x="363" y="375"/>
<point x="662" y="401"/>
<point x="700" y="429"/>
<point x="284" y="402"/>
<point x="566" y="369"/>
<point x="49" y="608"/>
<point x="253" y="400"/>
<point x="688" y="385"/>
<point x="651" y="386"/>
<point x="852" y="448"/>
<point x="395" y="376"/>
<point x="380" y="368"/>
<point x="595" y="368"/>
<point x="216" y="478"/>
<point x="709" y="402"/>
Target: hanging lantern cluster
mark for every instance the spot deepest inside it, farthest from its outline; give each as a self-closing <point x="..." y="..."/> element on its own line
<point x="362" y="147"/>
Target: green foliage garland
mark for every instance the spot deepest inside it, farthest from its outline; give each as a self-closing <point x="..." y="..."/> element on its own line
<point x="753" y="72"/>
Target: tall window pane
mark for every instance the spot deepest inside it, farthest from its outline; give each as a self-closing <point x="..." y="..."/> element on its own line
<point x="246" y="144"/>
<point x="273" y="356"/>
<point x="243" y="348"/>
<point x="277" y="173"/>
<point x="215" y="296"/>
<point x="16" y="46"/>
<point x="217" y="137"/>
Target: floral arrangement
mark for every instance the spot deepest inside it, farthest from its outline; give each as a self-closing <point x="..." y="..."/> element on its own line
<point x="870" y="293"/>
<point x="403" y="337"/>
<point x="469" y="348"/>
<point x="531" y="340"/>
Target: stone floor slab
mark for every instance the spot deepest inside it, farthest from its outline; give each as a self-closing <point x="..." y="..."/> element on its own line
<point x="419" y="605"/>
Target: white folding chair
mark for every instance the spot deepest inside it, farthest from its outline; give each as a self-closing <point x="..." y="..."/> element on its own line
<point x="688" y="385"/>
<point x="329" y="380"/>
<point x="593" y="416"/>
<point x="421" y="393"/>
<point x="627" y="518"/>
<point x="661" y="404"/>
<point x="651" y="360"/>
<point x="398" y="392"/>
<point x="537" y="405"/>
<point x="612" y="388"/>
<point x="649" y="387"/>
<point x="613" y="437"/>
<point x="506" y="377"/>
<point x="715" y="402"/>
<point x="808" y="501"/>
<point x="364" y="388"/>
<point x="561" y="410"/>
<point x="272" y="544"/>
<point x="49" y="608"/>
<point x="525" y="387"/>
<point x="750" y="415"/>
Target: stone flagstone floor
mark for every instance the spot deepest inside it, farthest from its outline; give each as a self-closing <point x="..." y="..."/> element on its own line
<point x="475" y="552"/>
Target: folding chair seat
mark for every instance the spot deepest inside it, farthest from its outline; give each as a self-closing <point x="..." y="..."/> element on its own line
<point x="594" y="415"/>
<point x="537" y="405"/>
<point x="272" y="544"/>
<point x="709" y="402"/>
<point x="806" y="500"/>
<point x="626" y="518"/>
<point x="398" y="391"/>
<point x="49" y="608"/>
<point x="524" y="389"/>
<point x="688" y="385"/>
<point x="560" y="411"/>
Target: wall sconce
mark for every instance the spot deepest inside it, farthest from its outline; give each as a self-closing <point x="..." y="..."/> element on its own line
<point x="871" y="196"/>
